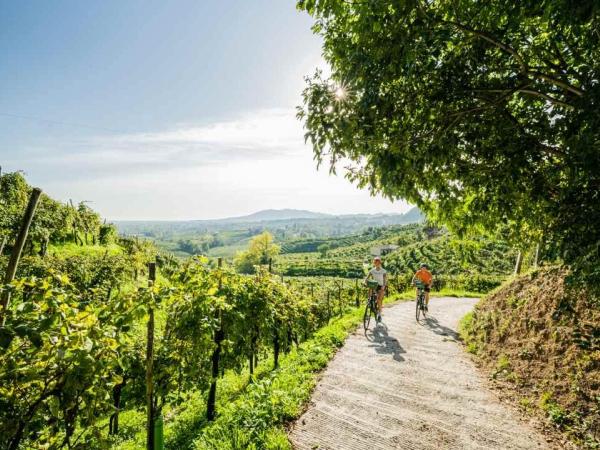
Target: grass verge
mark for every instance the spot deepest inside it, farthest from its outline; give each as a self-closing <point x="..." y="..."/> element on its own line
<point x="256" y="419"/>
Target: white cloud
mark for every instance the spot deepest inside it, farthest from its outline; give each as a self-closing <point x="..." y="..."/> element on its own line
<point x="259" y="135"/>
<point x="265" y="129"/>
<point x="231" y="167"/>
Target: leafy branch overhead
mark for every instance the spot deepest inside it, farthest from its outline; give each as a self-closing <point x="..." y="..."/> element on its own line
<point x="479" y="115"/>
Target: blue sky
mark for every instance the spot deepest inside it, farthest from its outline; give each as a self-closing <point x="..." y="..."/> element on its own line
<point x="164" y="109"/>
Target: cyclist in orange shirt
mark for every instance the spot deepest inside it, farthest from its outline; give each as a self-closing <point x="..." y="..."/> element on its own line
<point x="425" y="277"/>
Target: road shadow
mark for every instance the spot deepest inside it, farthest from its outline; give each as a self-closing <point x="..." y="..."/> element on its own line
<point x="383" y="343"/>
<point x="432" y="324"/>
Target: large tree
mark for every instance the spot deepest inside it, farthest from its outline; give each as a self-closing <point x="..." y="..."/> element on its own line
<point x="481" y="113"/>
<point x="260" y="251"/>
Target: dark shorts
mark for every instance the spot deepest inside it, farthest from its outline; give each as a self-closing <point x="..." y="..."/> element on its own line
<point x="378" y="288"/>
<point x="427" y="288"/>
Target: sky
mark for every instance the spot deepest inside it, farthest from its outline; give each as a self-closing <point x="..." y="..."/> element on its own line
<point x="165" y="110"/>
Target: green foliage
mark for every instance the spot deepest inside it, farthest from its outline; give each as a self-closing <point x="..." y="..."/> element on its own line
<point x="98" y="329"/>
<point x="60" y="359"/>
<point x="254" y="312"/>
<point x="201" y="245"/>
<point x="476" y="265"/>
<point x="107" y="234"/>
<point x="13" y="200"/>
<point x="139" y="252"/>
<point x="94" y="275"/>
<point x="343" y="256"/>
<point x="478" y="115"/>
<point x="464" y="328"/>
<point x="446" y="256"/>
<point x="327" y="268"/>
<point x="261" y="250"/>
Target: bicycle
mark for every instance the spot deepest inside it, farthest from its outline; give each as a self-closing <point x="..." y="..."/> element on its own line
<point x="371" y="306"/>
<point x="420" y="300"/>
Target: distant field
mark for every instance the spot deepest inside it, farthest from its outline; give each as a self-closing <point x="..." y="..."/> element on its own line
<point x="296" y="231"/>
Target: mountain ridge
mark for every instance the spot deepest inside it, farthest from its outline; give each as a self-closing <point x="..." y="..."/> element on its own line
<point x="268" y="215"/>
<point x="273" y="214"/>
<point x="302" y="222"/>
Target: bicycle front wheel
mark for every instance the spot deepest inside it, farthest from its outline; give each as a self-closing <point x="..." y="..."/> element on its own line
<point x="419" y="308"/>
<point x="367" y="315"/>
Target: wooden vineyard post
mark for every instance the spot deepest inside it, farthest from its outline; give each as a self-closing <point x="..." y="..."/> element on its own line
<point x="253" y="359"/>
<point x="216" y="356"/>
<point x="76" y="237"/>
<point x="290" y="338"/>
<point x="113" y="422"/>
<point x="340" y="287"/>
<point x="15" y="255"/>
<point x="276" y="343"/>
<point x="536" y="260"/>
<point x="252" y="352"/>
<point x="356" y="291"/>
<point x="519" y="263"/>
<point x="2" y="244"/>
<point x="149" y="365"/>
<point x="328" y="307"/>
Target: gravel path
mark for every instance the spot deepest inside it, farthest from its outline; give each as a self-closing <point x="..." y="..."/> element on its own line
<point x="405" y="385"/>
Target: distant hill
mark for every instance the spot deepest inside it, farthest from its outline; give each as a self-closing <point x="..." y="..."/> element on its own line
<point x="273" y="214"/>
<point x="413" y="215"/>
<point x="273" y="219"/>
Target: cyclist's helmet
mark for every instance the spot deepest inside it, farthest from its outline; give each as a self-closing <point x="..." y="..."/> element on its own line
<point x="423" y="265"/>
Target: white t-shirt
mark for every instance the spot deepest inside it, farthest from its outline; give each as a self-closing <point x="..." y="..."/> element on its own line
<point x="378" y="275"/>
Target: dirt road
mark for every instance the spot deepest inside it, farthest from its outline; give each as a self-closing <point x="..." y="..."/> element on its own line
<point x="405" y="385"/>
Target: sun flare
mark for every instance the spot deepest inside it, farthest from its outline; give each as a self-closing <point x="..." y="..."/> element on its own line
<point x="340" y="93"/>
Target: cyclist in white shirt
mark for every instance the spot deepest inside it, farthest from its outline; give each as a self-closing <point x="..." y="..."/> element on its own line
<point x="379" y="274"/>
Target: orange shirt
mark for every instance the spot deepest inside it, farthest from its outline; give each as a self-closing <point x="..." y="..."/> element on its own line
<point x="424" y="275"/>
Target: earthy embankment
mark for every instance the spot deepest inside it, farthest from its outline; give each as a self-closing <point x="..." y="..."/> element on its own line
<point x="404" y="385"/>
<point x="538" y="337"/>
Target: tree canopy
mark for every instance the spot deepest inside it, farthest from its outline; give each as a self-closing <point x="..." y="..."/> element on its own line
<point x="479" y="115"/>
<point x="260" y="251"/>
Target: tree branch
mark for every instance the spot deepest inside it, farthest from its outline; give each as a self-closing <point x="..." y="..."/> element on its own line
<point x="532" y="92"/>
<point x="491" y="39"/>
<point x="547" y="97"/>
<point x="555" y="151"/>
<point x="556" y="82"/>
<point x="491" y="103"/>
<point x="524" y="67"/>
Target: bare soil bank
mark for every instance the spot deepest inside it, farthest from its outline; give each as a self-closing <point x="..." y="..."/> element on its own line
<point x="541" y="341"/>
